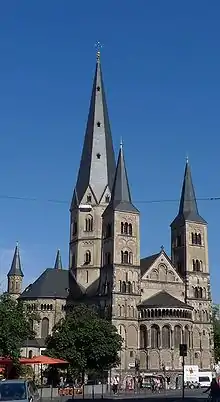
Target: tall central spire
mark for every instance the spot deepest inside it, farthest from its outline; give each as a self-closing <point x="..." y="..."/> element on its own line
<point x="97" y="166"/>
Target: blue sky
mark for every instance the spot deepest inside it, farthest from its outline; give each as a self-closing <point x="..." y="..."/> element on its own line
<point x="161" y="66"/>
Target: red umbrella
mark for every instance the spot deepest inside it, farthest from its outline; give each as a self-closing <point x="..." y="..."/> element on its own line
<point x="42" y="359"/>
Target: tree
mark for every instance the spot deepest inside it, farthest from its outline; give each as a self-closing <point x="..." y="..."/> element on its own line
<point x="86" y="341"/>
<point x="15" y="327"/>
<point x="216" y="329"/>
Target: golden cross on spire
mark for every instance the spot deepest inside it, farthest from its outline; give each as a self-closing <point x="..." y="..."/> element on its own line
<point x="98" y="46"/>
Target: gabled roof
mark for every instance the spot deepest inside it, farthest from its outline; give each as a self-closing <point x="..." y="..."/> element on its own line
<point x="188" y="209"/>
<point x="15" y="269"/>
<point x="146" y="262"/>
<point x="164" y="300"/>
<point x="97" y="166"/>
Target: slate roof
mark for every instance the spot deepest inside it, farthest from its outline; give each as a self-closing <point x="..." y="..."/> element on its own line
<point x="121" y="195"/>
<point x="164" y="299"/>
<point x="50" y="284"/>
<point x="16" y="269"/>
<point x="97" y="166"/>
<point x="188" y="209"/>
<point x="146" y="262"/>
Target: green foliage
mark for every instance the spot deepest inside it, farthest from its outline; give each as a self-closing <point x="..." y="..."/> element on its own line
<point x="216" y="329"/>
<point x="86" y="341"/>
<point x="15" y="327"/>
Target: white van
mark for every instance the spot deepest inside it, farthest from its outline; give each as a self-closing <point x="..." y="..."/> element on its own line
<point x="205" y="378"/>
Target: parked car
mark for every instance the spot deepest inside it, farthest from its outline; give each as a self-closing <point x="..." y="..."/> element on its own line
<point x="18" y="390"/>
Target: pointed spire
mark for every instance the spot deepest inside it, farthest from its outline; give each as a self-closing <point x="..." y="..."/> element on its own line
<point x="15" y="269"/>
<point x="97" y="166"/>
<point x="188" y="209"/>
<point x="58" y="261"/>
<point x="121" y="196"/>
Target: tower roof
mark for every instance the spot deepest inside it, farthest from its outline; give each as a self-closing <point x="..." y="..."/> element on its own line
<point x="15" y="269"/>
<point x="188" y="209"/>
<point x="97" y="166"/>
<point x="58" y="262"/>
<point x="121" y="196"/>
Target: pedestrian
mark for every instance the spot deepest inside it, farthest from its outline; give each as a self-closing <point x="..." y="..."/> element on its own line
<point x="214" y="390"/>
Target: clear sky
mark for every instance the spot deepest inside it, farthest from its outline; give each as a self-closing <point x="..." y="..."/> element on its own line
<point x="161" y="66"/>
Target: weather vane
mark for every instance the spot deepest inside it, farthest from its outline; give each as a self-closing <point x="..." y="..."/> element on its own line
<point x="98" y="46"/>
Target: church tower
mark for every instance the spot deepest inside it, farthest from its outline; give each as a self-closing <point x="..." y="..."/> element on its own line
<point x="93" y="188"/>
<point x="121" y="263"/>
<point x="15" y="275"/>
<point x="189" y="243"/>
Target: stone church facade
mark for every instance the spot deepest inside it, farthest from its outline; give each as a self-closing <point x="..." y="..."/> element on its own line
<point x="156" y="302"/>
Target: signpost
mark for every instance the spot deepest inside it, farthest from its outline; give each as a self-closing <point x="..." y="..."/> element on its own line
<point x="183" y="353"/>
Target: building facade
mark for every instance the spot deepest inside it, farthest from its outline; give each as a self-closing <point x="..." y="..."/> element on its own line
<point x="156" y="302"/>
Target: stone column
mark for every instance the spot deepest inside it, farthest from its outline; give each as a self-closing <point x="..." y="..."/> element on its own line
<point x="172" y="338"/>
<point x="148" y="337"/>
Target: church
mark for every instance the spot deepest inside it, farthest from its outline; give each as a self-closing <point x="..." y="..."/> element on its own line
<point x="156" y="302"/>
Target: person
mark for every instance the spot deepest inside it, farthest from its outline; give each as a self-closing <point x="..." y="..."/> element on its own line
<point x="214" y="390"/>
<point x="115" y="386"/>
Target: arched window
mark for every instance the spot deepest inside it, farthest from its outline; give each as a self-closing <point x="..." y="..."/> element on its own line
<point x="30" y="354"/>
<point x="143" y="337"/>
<point x="166" y="337"/>
<point x="87" y="257"/>
<point x="130" y="229"/>
<point x="198" y="293"/>
<point x="89" y="224"/>
<point x="44" y="328"/>
<point x="155" y="336"/>
<point x="125" y="257"/>
<point x="196" y="239"/>
<point x="186" y="335"/>
<point x="120" y="286"/>
<point x="125" y="228"/>
<point x="177" y="336"/>
<point x="199" y="239"/>
<point x="197" y="265"/>
<point x="129" y="287"/>
<point x="16" y="286"/>
<point x="87" y="276"/>
<point x="123" y="287"/>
